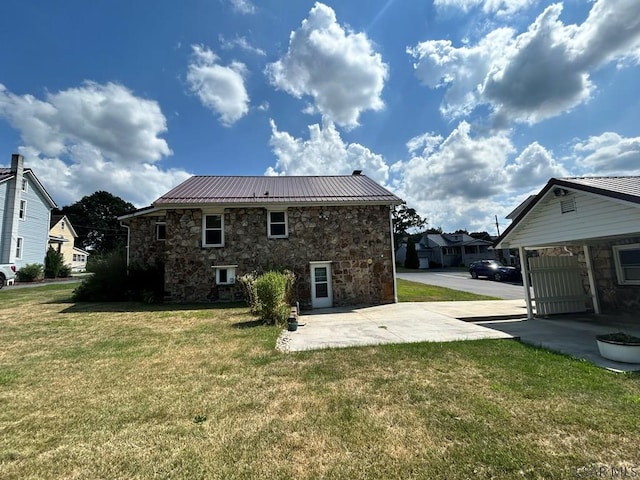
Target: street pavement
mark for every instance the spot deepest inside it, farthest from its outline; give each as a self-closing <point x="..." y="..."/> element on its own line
<point x="461" y="280"/>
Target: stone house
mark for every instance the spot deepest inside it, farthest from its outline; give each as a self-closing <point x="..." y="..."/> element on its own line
<point x="333" y="232"/>
<point x="581" y="239"/>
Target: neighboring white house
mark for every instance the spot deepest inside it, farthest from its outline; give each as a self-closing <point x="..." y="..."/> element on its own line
<point x="586" y="234"/>
<point x="25" y="212"/>
<point x="448" y="250"/>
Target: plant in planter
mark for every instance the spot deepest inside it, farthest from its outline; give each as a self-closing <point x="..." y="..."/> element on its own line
<point x="619" y="347"/>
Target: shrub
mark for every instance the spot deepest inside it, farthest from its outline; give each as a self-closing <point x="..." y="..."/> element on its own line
<point x="247" y="284"/>
<point x="110" y="281"/>
<point x="271" y="291"/>
<point x="53" y="262"/>
<point x="30" y="272"/>
<point x="65" y="271"/>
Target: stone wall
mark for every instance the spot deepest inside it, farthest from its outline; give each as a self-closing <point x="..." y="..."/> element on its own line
<point x="613" y="297"/>
<point x="356" y="239"/>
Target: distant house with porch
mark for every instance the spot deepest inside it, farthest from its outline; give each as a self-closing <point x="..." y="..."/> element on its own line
<point x="448" y="250"/>
<point x="585" y="236"/>
<point x="62" y="238"/>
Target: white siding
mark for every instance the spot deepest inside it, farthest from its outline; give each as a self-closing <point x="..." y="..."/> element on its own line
<point x="595" y="216"/>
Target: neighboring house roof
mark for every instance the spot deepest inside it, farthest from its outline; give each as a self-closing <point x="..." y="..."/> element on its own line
<point x="7" y="174"/>
<point x="79" y="250"/>
<point x="516" y="211"/>
<point x="451" y="240"/>
<point x="624" y="188"/>
<point x="56" y="218"/>
<point x="217" y="190"/>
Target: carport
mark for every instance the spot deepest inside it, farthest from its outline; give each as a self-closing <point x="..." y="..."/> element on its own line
<point x="579" y="245"/>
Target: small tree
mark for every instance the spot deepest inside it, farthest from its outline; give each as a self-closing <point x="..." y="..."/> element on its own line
<point x="411" y="259"/>
<point x="53" y="263"/>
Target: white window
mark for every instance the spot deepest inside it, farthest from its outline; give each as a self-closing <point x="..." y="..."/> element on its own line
<point x="24" y="184"/>
<point x="213" y="231"/>
<point x="22" y="214"/>
<point x="62" y="225"/>
<point x="19" y="242"/>
<point x="225" y="274"/>
<point x="161" y="231"/>
<point x="75" y="257"/>
<point x="277" y="225"/>
<point x="627" y="260"/>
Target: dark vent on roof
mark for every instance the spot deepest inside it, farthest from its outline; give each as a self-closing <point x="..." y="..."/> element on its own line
<point x="357" y="172"/>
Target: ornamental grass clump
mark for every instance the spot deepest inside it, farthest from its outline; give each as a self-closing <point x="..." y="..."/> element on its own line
<point x="273" y="293"/>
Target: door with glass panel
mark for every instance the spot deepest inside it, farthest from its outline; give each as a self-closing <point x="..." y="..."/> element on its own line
<point x="321" y="294"/>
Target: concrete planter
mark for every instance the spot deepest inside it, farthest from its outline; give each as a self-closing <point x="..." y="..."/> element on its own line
<point x="618" y="348"/>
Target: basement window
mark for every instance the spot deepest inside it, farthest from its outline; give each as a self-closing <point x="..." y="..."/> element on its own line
<point x="225" y="274"/>
<point x="627" y="262"/>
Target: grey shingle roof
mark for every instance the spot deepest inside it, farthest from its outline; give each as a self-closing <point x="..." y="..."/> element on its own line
<point x="619" y="187"/>
<point x="284" y="189"/>
<point x="5" y="174"/>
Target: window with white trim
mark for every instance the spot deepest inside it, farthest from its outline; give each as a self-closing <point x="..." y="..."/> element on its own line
<point x="19" y="243"/>
<point x="277" y="225"/>
<point x="627" y="262"/>
<point x="213" y="230"/>
<point x="161" y="231"/>
<point x="225" y="274"/>
<point x="22" y="214"/>
<point x="24" y="184"/>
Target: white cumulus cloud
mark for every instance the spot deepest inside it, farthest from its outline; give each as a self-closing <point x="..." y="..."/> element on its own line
<point x="220" y="88"/>
<point x="609" y="154"/>
<point x="338" y="68"/>
<point x="93" y="137"/>
<point x="108" y="117"/>
<point x="323" y="153"/>
<point x="537" y="74"/>
<point x="499" y="7"/>
<point x="244" y="7"/>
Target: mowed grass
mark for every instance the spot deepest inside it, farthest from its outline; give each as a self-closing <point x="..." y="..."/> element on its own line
<point x="409" y="291"/>
<point x="92" y="391"/>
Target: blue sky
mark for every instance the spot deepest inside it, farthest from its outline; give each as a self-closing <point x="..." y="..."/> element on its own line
<point x="461" y="107"/>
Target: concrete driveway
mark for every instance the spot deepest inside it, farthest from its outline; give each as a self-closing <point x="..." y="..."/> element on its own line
<point x="393" y="323"/>
<point x="452" y="321"/>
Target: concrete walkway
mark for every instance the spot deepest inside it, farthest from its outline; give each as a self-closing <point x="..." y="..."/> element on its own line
<point x="451" y="321"/>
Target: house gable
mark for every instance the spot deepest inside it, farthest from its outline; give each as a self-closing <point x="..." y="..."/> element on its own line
<point x="566" y="212"/>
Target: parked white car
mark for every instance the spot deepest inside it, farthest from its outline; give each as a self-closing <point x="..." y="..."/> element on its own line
<point x="7" y="272"/>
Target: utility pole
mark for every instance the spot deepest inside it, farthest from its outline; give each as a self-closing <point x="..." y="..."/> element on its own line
<point x="497" y="226"/>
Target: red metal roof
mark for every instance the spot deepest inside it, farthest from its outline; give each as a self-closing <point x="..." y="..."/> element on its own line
<point x="282" y="189"/>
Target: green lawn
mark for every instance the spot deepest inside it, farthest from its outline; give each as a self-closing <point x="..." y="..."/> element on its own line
<point x="419" y="292"/>
<point x="128" y="391"/>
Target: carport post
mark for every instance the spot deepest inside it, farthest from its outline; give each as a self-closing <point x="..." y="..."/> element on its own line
<point x="525" y="281"/>
<point x="592" y="279"/>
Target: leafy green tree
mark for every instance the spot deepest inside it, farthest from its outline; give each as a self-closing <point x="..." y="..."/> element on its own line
<point x="411" y="259"/>
<point x="95" y="220"/>
<point x="405" y="219"/>
<point x="481" y="235"/>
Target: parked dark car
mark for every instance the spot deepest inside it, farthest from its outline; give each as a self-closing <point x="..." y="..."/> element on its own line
<point x="494" y="270"/>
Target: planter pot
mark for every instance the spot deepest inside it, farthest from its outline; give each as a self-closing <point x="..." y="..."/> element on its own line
<point x="619" y="351"/>
<point x="292" y="326"/>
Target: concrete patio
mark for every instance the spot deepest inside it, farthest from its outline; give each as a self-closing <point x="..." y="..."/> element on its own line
<point x="452" y="321"/>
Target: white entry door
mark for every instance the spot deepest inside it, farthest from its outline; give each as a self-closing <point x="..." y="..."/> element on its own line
<point x="321" y="294"/>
